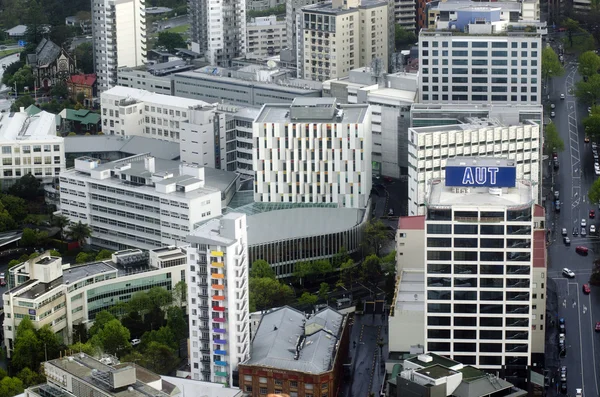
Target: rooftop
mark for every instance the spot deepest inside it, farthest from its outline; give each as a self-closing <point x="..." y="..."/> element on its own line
<point x="436" y="360"/>
<point x="479" y="383"/>
<point x="151" y="97"/>
<point x="466" y="4"/>
<point x="393" y="93"/>
<point x="435" y="372"/>
<point x="439" y="195"/>
<point x="128" y="145"/>
<point x="203" y="389"/>
<point x="410" y="295"/>
<point x="282" y="113"/>
<point x="326" y="7"/>
<point x="83" y="79"/>
<point x="211" y="230"/>
<point x="416" y="222"/>
<point x="21" y="126"/>
<point x="294" y="223"/>
<point x="281" y="331"/>
<point x="476" y="124"/>
<point x="82" y="116"/>
<point x="46" y="52"/>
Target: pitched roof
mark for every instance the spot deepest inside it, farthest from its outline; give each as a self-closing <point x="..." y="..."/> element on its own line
<point x="46" y="52"/>
<point x="83" y="116"/>
<point x="83" y="79"/>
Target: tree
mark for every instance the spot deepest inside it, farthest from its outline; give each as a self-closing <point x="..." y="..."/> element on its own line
<point x="551" y="66"/>
<point x="374" y="236"/>
<point x="102" y="318"/>
<point x="260" y="268"/>
<point x="84" y="257"/>
<point x="84" y="54"/>
<point x="62" y="34"/>
<point x="553" y="141"/>
<point x="160" y="297"/>
<point x="50" y="344"/>
<point x="266" y="293"/>
<point x="388" y="263"/>
<point x="347" y="271"/>
<point x="26" y="344"/>
<point x="588" y="91"/>
<point x="30" y="378"/>
<point x="80" y="232"/>
<point x="61" y="221"/>
<point x="594" y="192"/>
<point x="25" y="325"/>
<point x="159" y="358"/>
<point x="589" y="63"/>
<point x="11" y="70"/>
<point x="308" y="299"/>
<point x="140" y="303"/>
<point x="28" y="238"/>
<point x="170" y="41"/>
<point x="572" y="27"/>
<point x="28" y="187"/>
<point x="370" y="268"/>
<point x="403" y="37"/>
<point x="16" y="207"/>
<point x="323" y="290"/>
<point x="22" y="78"/>
<point x="13" y="263"/>
<point x="60" y="90"/>
<point x="11" y="386"/>
<point x="180" y="293"/>
<point x="24" y="101"/>
<point x="164" y="336"/>
<point x="86" y="348"/>
<point x="321" y="267"/>
<point x="176" y="322"/>
<point x="104" y="254"/>
<point x="55" y="253"/>
<point x="6" y="221"/>
<point x="80" y="98"/>
<point x="113" y="338"/>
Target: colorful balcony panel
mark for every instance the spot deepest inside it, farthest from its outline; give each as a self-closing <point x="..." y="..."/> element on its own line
<point x="218" y="308"/>
<point x="219" y="341"/>
<point x="219" y="320"/>
<point x="219" y="330"/>
<point x="221" y="363"/>
<point x="220" y="352"/>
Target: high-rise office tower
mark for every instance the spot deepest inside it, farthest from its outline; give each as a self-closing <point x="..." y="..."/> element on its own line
<point x="218" y="298"/>
<point x="313" y="151"/>
<point x="479" y="263"/>
<point x="119" y="34"/>
<point x="218" y="29"/>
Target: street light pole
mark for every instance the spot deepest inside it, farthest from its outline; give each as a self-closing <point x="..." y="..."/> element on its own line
<point x="16" y="94"/>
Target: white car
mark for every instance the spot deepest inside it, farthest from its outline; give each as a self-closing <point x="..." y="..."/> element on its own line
<point x="583" y="223"/>
<point x="564" y="231"/>
<point x="552" y="106"/>
<point x="578" y="392"/>
<point x="592" y="228"/>
<point x="135" y="342"/>
<point x="552" y="114"/>
<point x="569" y="273"/>
<point x="562" y="96"/>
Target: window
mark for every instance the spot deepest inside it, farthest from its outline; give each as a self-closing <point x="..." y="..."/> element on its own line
<point x="263" y="390"/>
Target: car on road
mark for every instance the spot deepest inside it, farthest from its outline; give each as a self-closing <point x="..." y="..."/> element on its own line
<point x="564" y="231"/>
<point x="597" y="328"/>
<point x="562" y="96"/>
<point x="556" y="194"/>
<point x="581" y="250"/>
<point x="586" y="139"/>
<point x="583" y="232"/>
<point x="552" y="106"/>
<point x="568" y="272"/>
<point x="592" y="229"/>
<point x="583" y="223"/>
<point x="135" y="342"/>
<point x="589" y="109"/>
<point x="594" y="146"/>
<point x="563" y="373"/>
<point x="561" y="326"/>
<point x="596" y="169"/>
<point x="561" y="338"/>
<point x="586" y="289"/>
<point x="575" y="231"/>
<point x="595" y="154"/>
<point x="592" y="214"/>
<point x="390" y="212"/>
<point x="567" y="240"/>
<point x="563" y="387"/>
<point x="556" y="164"/>
<point x="578" y="392"/>
<point x="557" y="206"/>
<point x="552" y="114"/>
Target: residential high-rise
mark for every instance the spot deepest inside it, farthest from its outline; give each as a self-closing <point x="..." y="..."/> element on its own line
<point x="218" y="29"/>
<point x="218" y="298"/>
<point x="405" y="14"/>
<point x="292" y="10"/>
<point x="266" y="36"/>
<point x="479" y="229"/>
<point x="487" y="66"/>
<point x="341" y="35"/>
<point x="313" y="151"/>
<point x="119" y="34"/>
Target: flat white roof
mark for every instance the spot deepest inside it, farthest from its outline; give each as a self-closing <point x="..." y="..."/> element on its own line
<point x="151" y="97"/>
<point x="411" y="291"/>
<point x="393" y="93"/>
<point x="441" y="195"/>
<point x="20" y="126"/>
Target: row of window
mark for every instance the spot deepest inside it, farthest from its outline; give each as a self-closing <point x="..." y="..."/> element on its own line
<point x="462" y="269"/>
<point x="474" y="282"/>
<point x="478" y="44"/>
<point x="26" y="149"/>
<point x="487" y="308"/>
<point x="478" y="98"/>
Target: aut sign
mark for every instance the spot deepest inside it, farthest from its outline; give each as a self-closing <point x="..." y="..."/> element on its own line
<point x="481" y="176"/>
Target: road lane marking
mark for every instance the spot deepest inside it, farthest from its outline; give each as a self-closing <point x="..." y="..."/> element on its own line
<point x="581" y="341"/>
<point x="593" y="347"/>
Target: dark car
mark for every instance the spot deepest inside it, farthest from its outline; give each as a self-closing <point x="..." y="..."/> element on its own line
<point x="592" y="214"/>
<point x="597" y="327"/>
<point x="563" y="387"/>
<point x="556" y="164"/>
<point x="583" y="232"/>
<point x="563" y="373"/>
<point x="582" y="250"/>
<point x="557" y="206"/>
<point x="561" y="325"/>
<point x="586" y="289"/>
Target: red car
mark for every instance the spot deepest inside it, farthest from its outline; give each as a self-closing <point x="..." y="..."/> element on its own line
<point x="592" y="214"/>
<point x="586" y="289"/>
<point x="598" y="327"/>
<point x="581" y="250"/>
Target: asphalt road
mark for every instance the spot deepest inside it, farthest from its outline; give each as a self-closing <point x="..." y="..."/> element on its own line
<point x="573" y="179"/>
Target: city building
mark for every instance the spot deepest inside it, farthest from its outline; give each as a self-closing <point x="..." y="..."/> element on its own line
<point x="296" y="354"/>
<point x="84" y="24"/>
<point x="390" y="98"/>
<point x="79" y="121"/>
<point x="323" y="50"/>
<point x="111" y="147"/>
<point x="405" y="14"/>
<point x="218" y="30"/>
<point x="266" y="36"/>
<point x="119" y="34"/>
<point x="50" y="64"/>
<point x="472" y="63"/>
<point x="430" y="374"/>
<point x="313" y="151"/>
<point x="218" y="298"/>
<point x="154" y="78"/>
<point x="212" y="84"/>
<point x="80" y="375"/>
<point x="142" y="201"/>
<point x="82" y="84"/>
<point x="443" y="14"/>
<point x="30" y="146"/>
<point x="430" y="148"/>
<point x="292" y="13"/>
<point x="479" y="228"/>
<point x="66" y="296"/>
<point x="263" y="5"/>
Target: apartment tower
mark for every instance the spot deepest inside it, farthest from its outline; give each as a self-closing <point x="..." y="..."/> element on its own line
<point x="119" y="36"/>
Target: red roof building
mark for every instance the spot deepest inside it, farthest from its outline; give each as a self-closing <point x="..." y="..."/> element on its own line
<point x="84" y="83"/>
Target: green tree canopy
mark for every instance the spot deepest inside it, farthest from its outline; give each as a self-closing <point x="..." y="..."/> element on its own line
<point x="61" y="221"/>
<point x="180" y="293"/>
<point x="113" y="338"/>
<point x="102" y="318"/>
<point x="370" y="268"/>
<point x="22" y="78"/>
<point x="588" y="91"/>
<point x="308" y="299"/>
<point x="84" y="54"/>
<point x="84" y="257"/>
<point x="23" y="101"/>
<point x="80" y="232"/>
<point x="176" y="322"/>
<point x="28" y="187"/>
<point x="164" y="336"/>
<point x="589" y="63"/>
<point x="323" y="290"/>
<point x="261" y="268"/>
<point x="49" y="342"/>
<point x="551" y="66"/>
<point x="170" y="41"/>
<point x="29" y="238"/>
<point x="86" y="348"/>
<point x="60" y="90"/>
<point x="104" y="254"/>
<point x="30" y="378"/>
<point x="403" y="37"/>
<point x="374" y="236"/>
<point x="266" y="293"/>
<point x="159" y="358"/>
<point x="594" y="192"/>
<point x="572" y="27"/>
<point x="16" y="206"/>
<point x="592" y="123"/>
<point x="553" y="142"/>
<point x="11" y="386"/>
<point x="26" y="350"/>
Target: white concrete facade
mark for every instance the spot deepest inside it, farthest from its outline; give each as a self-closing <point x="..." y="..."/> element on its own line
<point x="429" y="148"/>
<point x="313" y="151"/>
<point x="138" y="201"/>
<point x="266" y="36"/>
<point x="480" y="68"/>
<point x="218" y="298"/>
<point x="29" y="145"/>
<point x="119" y="34"/>
<point x="479" y="261"/>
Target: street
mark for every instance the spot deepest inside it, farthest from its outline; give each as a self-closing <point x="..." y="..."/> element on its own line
<point x="572" y="180"/>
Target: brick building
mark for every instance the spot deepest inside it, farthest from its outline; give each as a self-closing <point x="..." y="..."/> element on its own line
<point x="295" y="354"/>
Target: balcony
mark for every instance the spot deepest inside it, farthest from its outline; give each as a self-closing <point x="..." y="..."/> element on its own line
<point x="220" y="341"/>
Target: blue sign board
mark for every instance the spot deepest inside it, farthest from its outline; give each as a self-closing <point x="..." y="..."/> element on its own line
<point x="481" y="176"/>
<point x="22" y="43"/>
